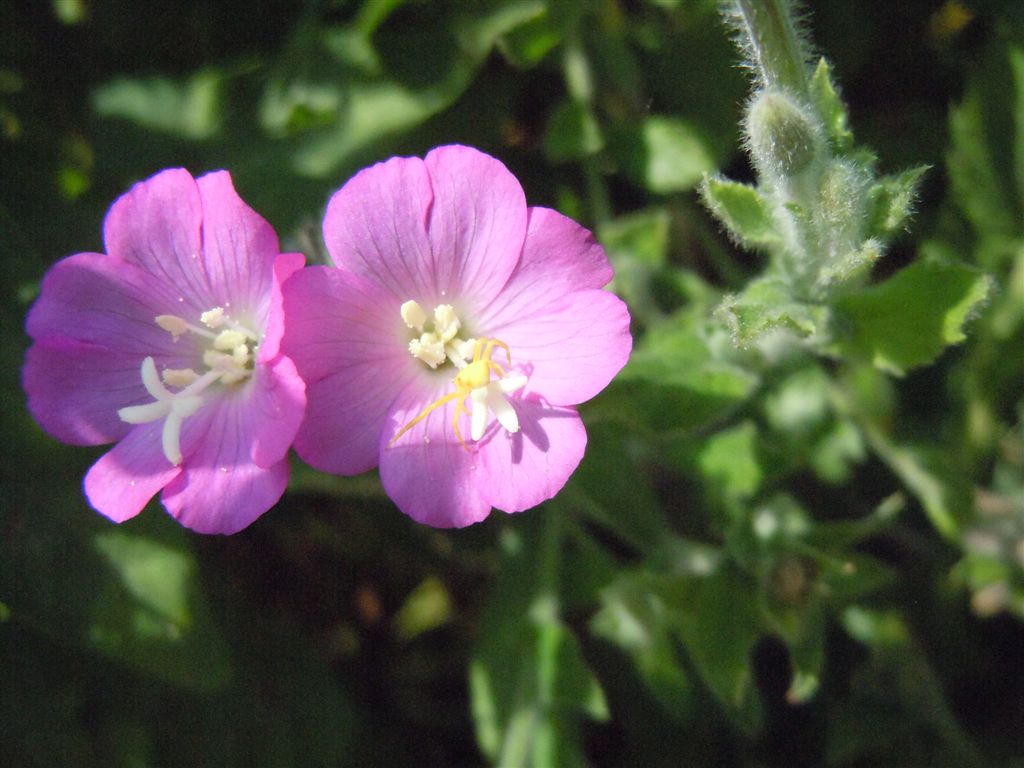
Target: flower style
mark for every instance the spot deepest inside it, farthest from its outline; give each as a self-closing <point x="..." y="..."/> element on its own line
<point x="452" y="302"/>
<point x="169" y="344"/>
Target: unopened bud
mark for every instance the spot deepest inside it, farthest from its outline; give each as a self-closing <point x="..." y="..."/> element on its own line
<point x="784" y="136"/>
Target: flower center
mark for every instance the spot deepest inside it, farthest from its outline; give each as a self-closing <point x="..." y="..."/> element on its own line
<point x="437" y="342"/>
<point x="438" y="338"/>
<point x="228" y="359"/>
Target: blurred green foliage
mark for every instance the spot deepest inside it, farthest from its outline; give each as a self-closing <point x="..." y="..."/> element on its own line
<point x="797" y="537"/>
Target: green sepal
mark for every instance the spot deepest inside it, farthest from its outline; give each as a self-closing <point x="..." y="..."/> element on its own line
<point x="767" y="305"/>
<point x="891" y="201"/>
<point x="830" y="107"/>
<point x="853" y="264"/>
<point x="743" y="210"/>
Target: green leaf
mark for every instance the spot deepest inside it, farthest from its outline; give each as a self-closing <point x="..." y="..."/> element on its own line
<point x="830" y="107"/>
<point x="529" y="684"/>
<point x="766" y="304"/>
<point x="743" y="210"/>
<point x="978" y="186"/>
<point x="1016" y="56"/>
<point x="719" y="642"/>
<point x="637" y="245"/>
<point x="729" y="459"/>
<point x="572" y="133"/>
<point x="909" y="319"/>
<point x="634" y="617"/>
<point x="665" y="154"/>
<point x="675" y="381"/>
<point x="614" y="491"/>
<point x="151" y="614"/>
<point x="428" y="606"/>
<point x="891" y="201"/>
<point x="189" y="109"/>
<point x="941" y="492"/>
<point x="527" y="45"/>
<point x="376" y="100"/>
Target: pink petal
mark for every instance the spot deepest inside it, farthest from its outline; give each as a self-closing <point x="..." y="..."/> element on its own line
<point x="107" y="302"/>
<point x="477" y="224"/>
<point x="126" y="477"/>
<point x="375" y="226"/>
<point x="571" y="348"/>
<point x="523" y="469"/>
<point x="157" y="225"/>
<point x="427" y="473"/>
<point x="221" y="489"/>
<point x="336" y="320"/>
<point x="75" y="389"/>
<point x="348" y="342"/>
<point x="285" y="265"/>
<point x="345" y="417"/>
<point x="275" y="404"/>
<point x="238" y="246"/>
<point x="559" y="257"/>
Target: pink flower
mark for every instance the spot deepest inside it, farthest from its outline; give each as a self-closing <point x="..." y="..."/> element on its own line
<point x="169" y="345"/>
<point x="454" y="338"/>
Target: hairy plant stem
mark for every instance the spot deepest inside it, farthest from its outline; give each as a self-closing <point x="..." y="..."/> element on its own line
<point x="773" y="44"/>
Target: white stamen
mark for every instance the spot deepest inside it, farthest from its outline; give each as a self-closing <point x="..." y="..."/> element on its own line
<point x="213" y="318"/>
<point x="460" y="351"/>
<point x="143" y="414"/>
<point x="413" y="315"/>
<point x="228" y="340"/>
<point x="429" y="349"/>
<point x="176" y="327"/>
<point x="173" y="324"/>
<point x="446" y="322"/>
<point x="151" y="380"/>
<point x="179" y="377"/>
<point x="229" y="360"/>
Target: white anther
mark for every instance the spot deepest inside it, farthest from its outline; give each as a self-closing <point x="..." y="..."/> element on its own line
<point x="429" y="349"/>
<point x="446" y="322"/>
<point x="173" y="324"/>
<point x="213" y="318"/>
<point x="179" y="377"/>
<point x="413" y="315"/>
<point x="228" y="340"/>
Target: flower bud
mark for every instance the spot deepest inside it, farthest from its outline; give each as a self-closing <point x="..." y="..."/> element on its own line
<point x="784" y="136"/>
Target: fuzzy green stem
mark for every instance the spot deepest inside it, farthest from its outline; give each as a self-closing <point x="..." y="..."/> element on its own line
<point x="771" y="39"/>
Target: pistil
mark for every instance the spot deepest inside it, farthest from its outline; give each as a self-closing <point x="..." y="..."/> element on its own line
<point x="229" y="359"/>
